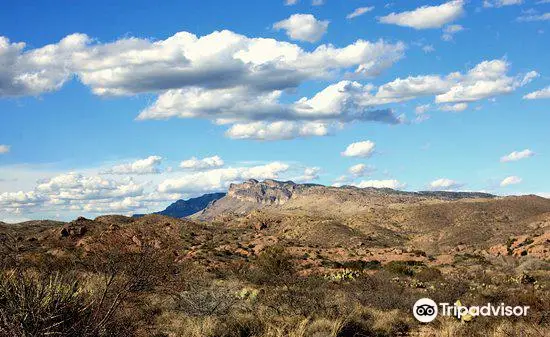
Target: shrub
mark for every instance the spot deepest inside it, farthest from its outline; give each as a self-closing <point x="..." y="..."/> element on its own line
<point x="35" y="305"/>
<point x="273" y="266"/>
<point x="429" y="275"/>
<point x="206" y="301"/>
<point x="399" y="267"/>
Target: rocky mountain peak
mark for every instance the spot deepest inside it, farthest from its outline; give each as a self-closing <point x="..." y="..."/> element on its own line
<point x="267" y="192"/>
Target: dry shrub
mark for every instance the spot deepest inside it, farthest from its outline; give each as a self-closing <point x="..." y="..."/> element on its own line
<point x="429" y="274"/>
<point x="272" y="266"/>
<point x="33" y="304"/>
<point x="211" y="301"/>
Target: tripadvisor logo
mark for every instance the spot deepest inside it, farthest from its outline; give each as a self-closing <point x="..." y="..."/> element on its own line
<point x="426" y="310"/>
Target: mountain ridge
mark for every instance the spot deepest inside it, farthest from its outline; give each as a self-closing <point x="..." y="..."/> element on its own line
<point x="183" y="208"/>
<point x="253" y="195"/>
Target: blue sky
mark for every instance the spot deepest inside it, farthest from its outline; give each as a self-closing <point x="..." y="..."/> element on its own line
<point x="123" y="107"/>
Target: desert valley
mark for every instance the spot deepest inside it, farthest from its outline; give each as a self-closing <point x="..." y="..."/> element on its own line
<point x="277" y="258"/>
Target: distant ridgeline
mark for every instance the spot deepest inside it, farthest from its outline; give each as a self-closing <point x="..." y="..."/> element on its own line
<point x="183" y="208"/>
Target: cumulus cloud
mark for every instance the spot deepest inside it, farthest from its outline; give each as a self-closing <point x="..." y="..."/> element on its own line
<point x="223" y="76"/>
<point x="39" y="70"/>
<point x="427" y="17"/>
<point x="485" y="80"/>
<point x="279" y="130"/>
<point x="317" y="2"/>
<point x="265" y="117"/>
<point x="310" y="174"/>
<point x="220" y="179"/>
<point x="4" y="149"/>
<point x="149" y="165"/>
<point x="17" y="200"/>
<point x="81" y="193"/>
<point x="222" y="59"/>
<point x="74" y="192"/>
<point x="445" y="184"/>
<point x="390" y="183"/>
<point x="303" y="27"/>
<point x="359" y="11"/>
<point x="517" y="155"/>
<point x="361" y="170"/>
<point x="539" y="94"/>
<point x="202" y="164"/>
<point x="412" y="87"/>
<point x="512" y="180"/>
<point x="362" y="149"/>
<point x="290" y="2"/>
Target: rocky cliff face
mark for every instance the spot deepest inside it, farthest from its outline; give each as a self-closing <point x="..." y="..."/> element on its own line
<point x="268" y="192"/>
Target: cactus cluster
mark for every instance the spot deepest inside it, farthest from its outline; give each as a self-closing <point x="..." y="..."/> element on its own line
<point x="343" y="275"/>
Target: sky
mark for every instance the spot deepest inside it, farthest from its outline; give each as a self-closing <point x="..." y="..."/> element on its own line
<point x="124" y="107"/>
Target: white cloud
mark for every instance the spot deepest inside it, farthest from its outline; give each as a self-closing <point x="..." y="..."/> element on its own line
<point x="450" y="30"/>
<point x="74" y="186"/>
<point x="485" y="80"/>
<point x="202" y="164"/>
<point x="391" y="183"/>
<point x="421" y="113"/>
<point x="512" y="180"/>
<point x="39" y="70"/>
<point x="4" y="149"/>
<point x="427" y="16"/>
<point x="362" y="149"/>
<point x="310" y="174"/>
<point x="359" y="11"/>
<point x="536" y="17"/>
<point x="317" y="2"/>
<point x="454" y="107"/>
<point x="517" y="155"/>
<point x="20" y="199"/>
<point x="501" y="3"/>
<point x="148" y="165"/>
<point x="277" y="130"/>
<point x="445" y="184"/>
<point x="265" y="117"/>
<point x="88" y="192"/>
<point x="290" y="2"/>
<point x="222" y="59"/>
<point x="422" y="109"/>
<point x="428" y="49"/>
<point x="539" y="94"/>
<point x="413" y="87"/>
<point x="303" y="27"/>
<point x="361" y="170"/>
<point x="219" y="179"/>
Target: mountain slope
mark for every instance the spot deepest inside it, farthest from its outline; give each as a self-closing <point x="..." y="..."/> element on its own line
<point x="272" y="194"/>
<point x="183" y="208"/>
